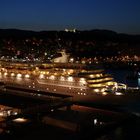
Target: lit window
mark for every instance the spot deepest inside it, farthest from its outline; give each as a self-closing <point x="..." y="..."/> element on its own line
<point x="70" y="79"/>
<point x="19" y="75"/>
<point x="96" y="90"/>
<point x="27" y="76"/>
<point x="95" y="121"/>
<point x="12" y="74"/>
<point x="118" y="93"/>
<point x="104" y="93"/>
<point x="5" y="73"/>
<point x="82" y="80"/>
<point x="62" y="78"/>
<point x="102" y="90"/>
<point x="20" y="120"/>
<point x="52" y="77"/>
<point x="91" y="76"/>
<point x="41" y="76"/>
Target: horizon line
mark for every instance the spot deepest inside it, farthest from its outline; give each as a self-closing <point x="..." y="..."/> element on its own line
<point x="59" y="30"/>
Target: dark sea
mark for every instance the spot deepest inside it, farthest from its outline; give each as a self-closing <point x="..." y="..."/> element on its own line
<point x="121" y="76"/>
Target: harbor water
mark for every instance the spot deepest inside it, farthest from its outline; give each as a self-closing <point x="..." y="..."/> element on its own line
<point x="121" y="76"/>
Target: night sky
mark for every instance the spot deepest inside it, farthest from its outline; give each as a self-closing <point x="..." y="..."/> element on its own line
<point x="117" y="15"/>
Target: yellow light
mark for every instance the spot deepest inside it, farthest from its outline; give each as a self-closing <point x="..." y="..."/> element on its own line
<point x="96" y="90"/>
<point x="20" y="120"/>
<point x="118" y="93"/>
<point x="102" y="90"/>
<point x="27" y="76"/>
<point x="100" y="80"/>
<point x="70" y="79"/>
<point x="19" y="75"/>
<point x="12" y="74"/>
<point x="71" y="59"/>
<point x="98" y="75"/>
<point x="55" y="73"/>
<point x="52" y="77"/>
<point x="115" y="83"/>
<point x="121" y="86"/>
<point x="5" y="73"/>
<point x="110" y="83"/>
<point x="104" y="93"/>
<point x="97" y="85"/>
<point x="43" y="72"/>
<point x="62" y="78"/>
<point x="41" y="76"/>
<point x="1" y="114"/>
<point x="82" y="80"/>
<point x="91" y="76"/>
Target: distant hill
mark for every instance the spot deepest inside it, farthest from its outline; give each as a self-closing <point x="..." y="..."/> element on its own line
<point x="80" y="43"/>
<point x="99" y="35"/>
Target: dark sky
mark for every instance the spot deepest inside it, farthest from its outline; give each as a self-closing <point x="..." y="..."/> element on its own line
<point x="117" y="15"/>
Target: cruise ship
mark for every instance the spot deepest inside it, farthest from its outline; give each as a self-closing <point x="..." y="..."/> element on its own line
<point x="83" y="82"/>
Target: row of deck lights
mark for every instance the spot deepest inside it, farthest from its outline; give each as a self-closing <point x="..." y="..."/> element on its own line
<point x="80" y="93"/>
<point x="62" y="78"/>
<point x="16" y="75"/>
<point x="42" y="76"/>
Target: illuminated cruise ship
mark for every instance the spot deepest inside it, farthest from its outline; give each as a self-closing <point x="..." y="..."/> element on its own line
<point x="80" y="81"/>
<point x="85" y="83"/>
